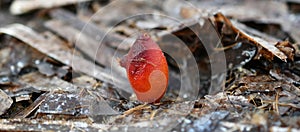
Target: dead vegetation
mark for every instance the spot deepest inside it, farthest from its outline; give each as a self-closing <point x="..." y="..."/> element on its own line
<point x="59" y="66"/>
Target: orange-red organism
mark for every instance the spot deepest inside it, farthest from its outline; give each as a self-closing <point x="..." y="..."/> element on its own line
<point x="147" y="69"/>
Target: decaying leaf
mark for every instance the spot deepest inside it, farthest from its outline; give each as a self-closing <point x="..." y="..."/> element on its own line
<point x="42" y="83"/>
<point x="26" y="112"/>
<point x="20" y="6"/>
<point x="267" y="45"/>
<point x="245" y="65"/>
<point x="80" y="64"/>
<point x="89" y="29"/>
<point x="5" y="102"/>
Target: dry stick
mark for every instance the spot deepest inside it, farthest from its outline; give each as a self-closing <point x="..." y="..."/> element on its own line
<point x="276" y="102"/>
<point x="137" y="108"/>
<point x="153" y="113"/>
<point x="226" y="47"/>
<point x="142" y="106"/>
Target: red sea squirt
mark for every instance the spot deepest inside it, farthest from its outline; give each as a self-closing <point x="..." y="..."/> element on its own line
<point x="147" y="69"/>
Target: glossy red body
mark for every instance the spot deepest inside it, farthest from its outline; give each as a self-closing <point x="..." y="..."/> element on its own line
<point x="147" y="69"/>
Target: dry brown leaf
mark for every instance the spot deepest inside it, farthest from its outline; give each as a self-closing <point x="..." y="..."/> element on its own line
<point x="267" y="45"/>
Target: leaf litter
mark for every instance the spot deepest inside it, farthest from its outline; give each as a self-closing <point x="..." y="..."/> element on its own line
<point x="43" y="89"/>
